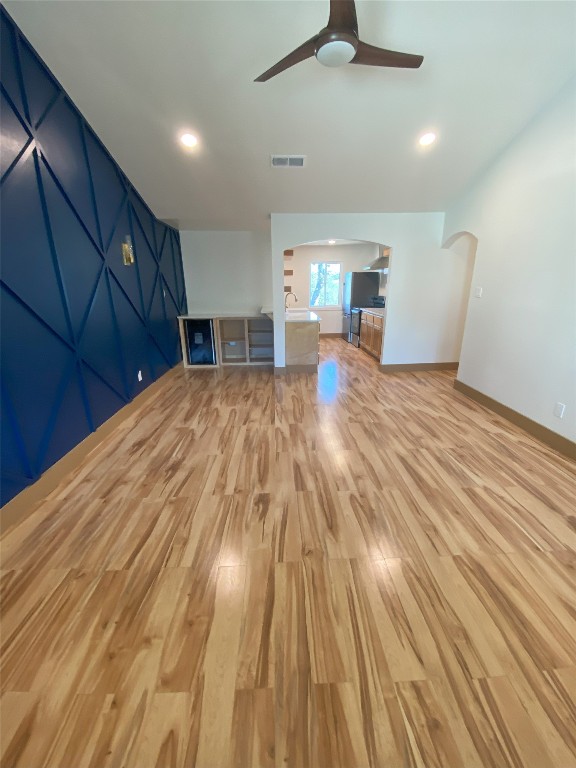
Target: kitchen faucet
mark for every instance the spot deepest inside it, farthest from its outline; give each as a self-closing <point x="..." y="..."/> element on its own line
<point x="286" y="299"/>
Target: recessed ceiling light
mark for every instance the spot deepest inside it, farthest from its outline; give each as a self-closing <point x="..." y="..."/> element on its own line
<point x="426" y="139"/>
<point x="188" y="140"/>
<point x="331" y="242"/>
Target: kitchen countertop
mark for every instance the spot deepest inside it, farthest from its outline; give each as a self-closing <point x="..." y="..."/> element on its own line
<point x="295" y="315"/>
<point x="301" y="316"/>
<point x="216" y="313"/>
<point x="291" y="316"/>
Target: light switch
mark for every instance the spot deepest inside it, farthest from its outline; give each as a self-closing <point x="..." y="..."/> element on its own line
<point x="478" y="292"/>
<point x="559" y="409"/>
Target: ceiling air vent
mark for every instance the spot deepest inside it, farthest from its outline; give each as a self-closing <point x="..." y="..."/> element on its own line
<point x="288" y="161"/>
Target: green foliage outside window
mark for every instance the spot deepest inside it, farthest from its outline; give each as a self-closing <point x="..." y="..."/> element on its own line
<point x="324" y="284"/>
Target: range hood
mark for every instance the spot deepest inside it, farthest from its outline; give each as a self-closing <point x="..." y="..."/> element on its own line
<point x="382" y="261"/>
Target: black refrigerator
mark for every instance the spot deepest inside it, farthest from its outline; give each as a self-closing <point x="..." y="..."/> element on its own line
<point x="359" y="290"/>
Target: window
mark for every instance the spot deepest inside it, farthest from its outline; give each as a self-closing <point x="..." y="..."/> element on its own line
<point x="324" y="284"/>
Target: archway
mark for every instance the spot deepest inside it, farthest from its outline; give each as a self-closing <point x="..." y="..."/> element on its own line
<point x="314" y="273"/>
<point x="464" y="245"/>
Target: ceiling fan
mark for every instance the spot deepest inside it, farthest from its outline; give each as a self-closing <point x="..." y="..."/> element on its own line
<point x="338" y="44"/>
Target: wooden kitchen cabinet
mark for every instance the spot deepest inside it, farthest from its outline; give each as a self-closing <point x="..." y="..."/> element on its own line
<point x="366" y="332"/>
<point x="371" y="333"/>
<point x="377" y="342"/>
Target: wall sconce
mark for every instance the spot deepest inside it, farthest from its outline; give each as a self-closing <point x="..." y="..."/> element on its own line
<point x="127" y="251"/>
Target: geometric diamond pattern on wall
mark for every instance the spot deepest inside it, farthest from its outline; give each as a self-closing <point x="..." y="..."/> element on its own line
<point x="76" y="323"/>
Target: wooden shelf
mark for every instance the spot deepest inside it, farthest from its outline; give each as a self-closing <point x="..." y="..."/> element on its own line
<point x="260" y="340"/>
<point x="246" y="341"/>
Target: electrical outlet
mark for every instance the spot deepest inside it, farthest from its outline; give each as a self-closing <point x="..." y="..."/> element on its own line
<point x="139" y="375"/>
<point x="478" y="292"/>
<point x="559" y="409"/>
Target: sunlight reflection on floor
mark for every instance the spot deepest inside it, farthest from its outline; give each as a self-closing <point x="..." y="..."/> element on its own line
<point x="328" y="381"/>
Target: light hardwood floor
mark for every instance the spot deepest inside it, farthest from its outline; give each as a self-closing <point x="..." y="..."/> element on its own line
<point x="349" y="570"/>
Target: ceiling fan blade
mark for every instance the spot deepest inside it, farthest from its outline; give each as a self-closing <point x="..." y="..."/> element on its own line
<point x="305" y="51"/>
<point x="380" y="57"/>
<point x="343" y="15"/>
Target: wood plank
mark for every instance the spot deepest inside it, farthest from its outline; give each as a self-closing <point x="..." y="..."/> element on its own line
<point x="253" y="729"/>
<point x="220" y="665"/>
<point x="522" y="741"/>
<point x="293" y="677"/>
<point x="256" y="652"/>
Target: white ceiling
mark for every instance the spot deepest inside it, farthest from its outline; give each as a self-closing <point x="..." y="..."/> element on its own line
<point x="141" y="71"/>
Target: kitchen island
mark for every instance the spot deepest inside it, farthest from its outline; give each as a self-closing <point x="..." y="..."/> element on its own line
<point x="302" y="336"/>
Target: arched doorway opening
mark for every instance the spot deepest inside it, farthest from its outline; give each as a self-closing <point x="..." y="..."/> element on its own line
<point x="464" y="245"/>
<point x="314" y="277"/>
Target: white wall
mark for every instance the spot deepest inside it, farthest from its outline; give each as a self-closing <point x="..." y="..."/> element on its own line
<point x="520" y="339"/>
<point x="227" y="271"/>
<point x="351" y="257"/>
<point x="422" y="289"/>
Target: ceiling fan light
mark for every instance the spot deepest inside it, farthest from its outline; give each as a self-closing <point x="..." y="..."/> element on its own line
<point x="189" y="140"/>
<point x="335" y="53"/>
<point x="427" y="139"/>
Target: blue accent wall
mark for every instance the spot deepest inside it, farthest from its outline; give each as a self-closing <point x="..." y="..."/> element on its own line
<point x="76" y="323"/>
